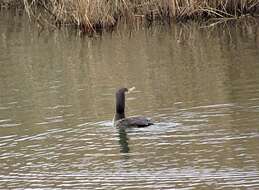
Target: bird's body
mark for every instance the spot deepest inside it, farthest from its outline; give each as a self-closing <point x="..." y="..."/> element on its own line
<point x="120" y="120"/>
<point x="137" y="121"/>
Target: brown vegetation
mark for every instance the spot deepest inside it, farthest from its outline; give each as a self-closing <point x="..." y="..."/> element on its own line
<point x="90" y="15"/>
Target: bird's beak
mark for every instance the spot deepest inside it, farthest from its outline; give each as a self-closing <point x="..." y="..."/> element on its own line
<point x="131" y="89"/>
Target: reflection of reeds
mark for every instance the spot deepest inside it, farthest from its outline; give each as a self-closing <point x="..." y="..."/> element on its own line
<point x="5" y="4"/>
<point x="90" y="15"/>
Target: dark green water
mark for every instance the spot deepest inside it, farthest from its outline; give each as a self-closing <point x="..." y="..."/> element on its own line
<point x="200" y="85"/>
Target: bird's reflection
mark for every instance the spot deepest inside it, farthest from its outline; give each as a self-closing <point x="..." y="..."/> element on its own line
<point x="123" y="141"/>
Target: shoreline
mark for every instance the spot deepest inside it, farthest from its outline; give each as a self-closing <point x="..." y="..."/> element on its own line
<point x="93" y="16"/>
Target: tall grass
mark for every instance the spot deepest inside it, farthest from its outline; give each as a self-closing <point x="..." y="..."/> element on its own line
<point x="90" y="15"/>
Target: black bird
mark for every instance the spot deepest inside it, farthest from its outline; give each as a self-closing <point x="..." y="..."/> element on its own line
<point x="120" y="120"/>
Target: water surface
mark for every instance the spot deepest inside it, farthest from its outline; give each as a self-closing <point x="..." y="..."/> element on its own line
<point x="200" y="85"/>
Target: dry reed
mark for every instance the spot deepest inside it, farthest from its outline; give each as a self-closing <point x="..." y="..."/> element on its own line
<point x="90" y="15"/>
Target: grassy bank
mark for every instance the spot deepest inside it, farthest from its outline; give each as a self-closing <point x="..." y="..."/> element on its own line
<point x="90" y="15"/>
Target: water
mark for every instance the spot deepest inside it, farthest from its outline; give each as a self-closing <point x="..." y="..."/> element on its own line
<point x="200" y="85"/>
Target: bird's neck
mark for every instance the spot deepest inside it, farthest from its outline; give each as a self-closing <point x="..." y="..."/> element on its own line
<point x="119" y="116"/>
<point x="120" y="106"/>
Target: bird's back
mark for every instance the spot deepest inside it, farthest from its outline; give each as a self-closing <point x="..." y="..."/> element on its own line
<point x="138" y="121"/>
